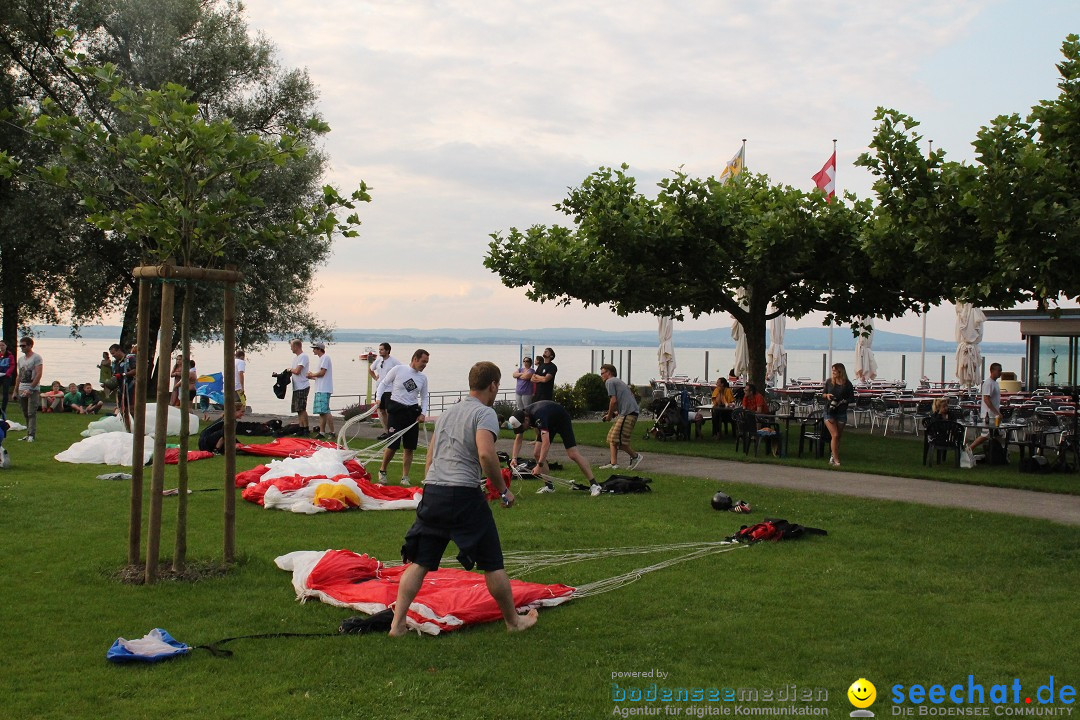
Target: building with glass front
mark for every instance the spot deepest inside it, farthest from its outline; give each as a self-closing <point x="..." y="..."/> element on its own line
<point x="1053" y="341"/>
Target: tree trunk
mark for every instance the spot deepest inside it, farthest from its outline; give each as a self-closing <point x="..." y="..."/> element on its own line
<point x="10" y="332"/>
<point x="138" y="429"/>
<point x="180" y="548"/>
<point x="157" y="482"/>
<point x="229" y="382"/>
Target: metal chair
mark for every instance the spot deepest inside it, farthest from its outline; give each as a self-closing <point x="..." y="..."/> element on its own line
<point x="939" y="437"/>
<point x="813" y="433"/>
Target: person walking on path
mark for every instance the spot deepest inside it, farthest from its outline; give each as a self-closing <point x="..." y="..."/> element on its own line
<point x="544" y="376"/>
<point x="623" y="409"/>
<point x="991" y="404"/>
<point x="524" y="388"/>
<point x="324" y="387"/>
<point x="300" y="384"/>
<point x="382" y="365"/>
<point x="550" y="419"/>
<point x="407" y="407"/>
<point x="8" y="365"/>
<point x="839" y="393"/>
<point x="30" y="369"/>
<point x="454" y="507"/>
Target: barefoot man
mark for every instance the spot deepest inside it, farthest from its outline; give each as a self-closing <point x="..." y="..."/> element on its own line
<point x="454" y="508"/>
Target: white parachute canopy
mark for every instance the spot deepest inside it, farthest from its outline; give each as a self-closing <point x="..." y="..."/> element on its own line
<point x="865" y="364"/>
<point x="665" y="354"/>
<point x="969" y="333"/>
<point x="114" y="423"/>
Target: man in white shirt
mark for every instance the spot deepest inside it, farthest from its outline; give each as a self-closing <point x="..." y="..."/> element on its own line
<point x="324" y="388"/>
<point x="300" y="383"/>
<point x="241" y="367"/>
<point x="407" y="408"/>
<point x="991" y="403"/>
<point x="29" y="373"/>
<point x="382" y="365"/>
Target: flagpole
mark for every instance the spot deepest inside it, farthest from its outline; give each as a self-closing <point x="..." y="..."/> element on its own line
<point x="834" y="191"/>
<point x="922" y="354"/>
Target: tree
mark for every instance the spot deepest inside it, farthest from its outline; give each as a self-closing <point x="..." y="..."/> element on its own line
<point x="694" y="247"/>
<point x="186" y="189"/>
<point x="205" y="46"/>
<point x="999" y="232"/>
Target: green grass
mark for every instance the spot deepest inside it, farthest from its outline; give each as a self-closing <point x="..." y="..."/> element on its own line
<point x="895" y="455"/>
<point x="897" y="593"/>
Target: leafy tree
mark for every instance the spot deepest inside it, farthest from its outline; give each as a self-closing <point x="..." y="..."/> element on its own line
<point x="205" y="46"/>
<point x="694" y="247"/>
<point x="996" y="233"/>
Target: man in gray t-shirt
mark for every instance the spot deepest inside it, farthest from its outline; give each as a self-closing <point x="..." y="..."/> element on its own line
<point x="29" y="373"/>
<point x="623" y="409"/>
<point x="454" y="506"/>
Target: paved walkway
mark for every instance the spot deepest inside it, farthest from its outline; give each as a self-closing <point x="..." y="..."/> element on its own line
<point x="1025" y="503"/>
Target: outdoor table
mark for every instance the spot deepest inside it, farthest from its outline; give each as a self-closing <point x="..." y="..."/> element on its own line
<point x="1009" y="428"/>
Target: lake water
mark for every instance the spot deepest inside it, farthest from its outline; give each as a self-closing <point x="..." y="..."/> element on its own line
<point x="70" y="360"/>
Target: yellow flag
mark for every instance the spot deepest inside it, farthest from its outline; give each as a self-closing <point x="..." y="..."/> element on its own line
<point x="734" y="166"/>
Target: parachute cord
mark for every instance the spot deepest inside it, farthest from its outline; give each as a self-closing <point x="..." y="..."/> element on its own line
<point x="619" y="581"/>
<point x="342" y="440"/>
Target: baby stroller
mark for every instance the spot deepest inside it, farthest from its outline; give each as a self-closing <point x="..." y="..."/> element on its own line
<point x="670" y="423"/>
<point x="5" y="459"/>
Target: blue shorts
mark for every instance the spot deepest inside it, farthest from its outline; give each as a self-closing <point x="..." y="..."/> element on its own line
<point x="321" y="405"/>
<point x="840" y="418"/>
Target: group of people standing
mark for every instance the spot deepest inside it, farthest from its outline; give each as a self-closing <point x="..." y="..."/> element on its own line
<point x="537" y="382"/>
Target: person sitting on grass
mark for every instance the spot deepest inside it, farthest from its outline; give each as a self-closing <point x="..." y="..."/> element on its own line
<point x="52" y="400"/>
<point x="87" y="401"/>
<point x="70" y="396"/>
<point x="212" y="439"/>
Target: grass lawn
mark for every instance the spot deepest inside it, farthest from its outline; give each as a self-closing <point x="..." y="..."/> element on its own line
<point x="897" y="593"/>
<point x="897" y="455"/>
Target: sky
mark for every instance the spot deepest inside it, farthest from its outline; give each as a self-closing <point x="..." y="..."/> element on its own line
<point x="468" y="118"/>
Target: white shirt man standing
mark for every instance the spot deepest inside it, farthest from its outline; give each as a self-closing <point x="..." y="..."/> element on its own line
<point x="382" y="365"/>
<point x="300" y="383"/>
<point x="407" y="408"/>
<point x="991" y="403"/>
<point x="323" y="379"/>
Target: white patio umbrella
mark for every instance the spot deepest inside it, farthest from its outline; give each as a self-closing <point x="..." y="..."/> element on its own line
<point x="776" y="357"/>
<point x="865" y="364"/>
<point x="665" y="354"/>
<point x="969" y="332"/>
<point x="742" y="353"/>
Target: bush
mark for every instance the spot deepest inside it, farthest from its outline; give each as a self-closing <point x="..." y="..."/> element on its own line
<point x="572" y="399"/>
<point x="354" y="410"/>
<point x="593" y="391"/>
<point x="504" y="408"/>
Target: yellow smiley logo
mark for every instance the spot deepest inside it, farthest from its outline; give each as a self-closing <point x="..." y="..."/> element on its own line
<point x="862" y="693"/>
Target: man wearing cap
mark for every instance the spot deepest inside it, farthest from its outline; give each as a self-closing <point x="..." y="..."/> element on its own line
<point x="550" y="419"/>
<point x="300" y="383"/>
<point x="408" y="406"/>
<point x="454" y="506"/>
<point x="324" y="388"/>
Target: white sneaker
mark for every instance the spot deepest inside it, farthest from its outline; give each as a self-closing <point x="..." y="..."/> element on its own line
<point x="546" y="489"/>
<point x="595" y="490"/>
<point x="636" y="460"/>
<point x="29" y="438"/>
<point x="405" y="482"/>
<point x="382" y="477"/>
<point x="610" y="466"/>
<point x="832" y="460"/>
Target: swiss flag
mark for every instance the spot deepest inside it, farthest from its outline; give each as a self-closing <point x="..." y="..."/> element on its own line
<point x="826" y="177"/>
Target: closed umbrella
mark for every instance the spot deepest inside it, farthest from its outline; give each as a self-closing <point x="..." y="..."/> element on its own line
<point x="969" y="332"/>
<point x="742" y="353"/>
<point x="865" y="364"/>
<point x="776" y="358"/>
<point x="665" y="355"/>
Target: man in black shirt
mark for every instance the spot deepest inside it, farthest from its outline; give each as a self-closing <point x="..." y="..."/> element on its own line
<point x="548" y="419"/>
<point x="544" y="376"/>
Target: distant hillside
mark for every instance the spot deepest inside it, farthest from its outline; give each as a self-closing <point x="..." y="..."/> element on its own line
<point x="796" y="339"/>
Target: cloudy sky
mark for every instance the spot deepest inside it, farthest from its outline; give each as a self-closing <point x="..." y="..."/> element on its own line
<point x="468" y="118"/>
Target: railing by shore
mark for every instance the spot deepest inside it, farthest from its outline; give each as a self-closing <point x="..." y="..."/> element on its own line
<point x="438" y="401"/>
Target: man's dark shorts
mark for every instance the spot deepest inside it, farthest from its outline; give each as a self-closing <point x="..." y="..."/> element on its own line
<point x="565" y="430"/>
<point x="400" y="417"/>
<point x="453" y="513"/>
<point x="384" y="400"/>
<point x="299" y="400"/>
